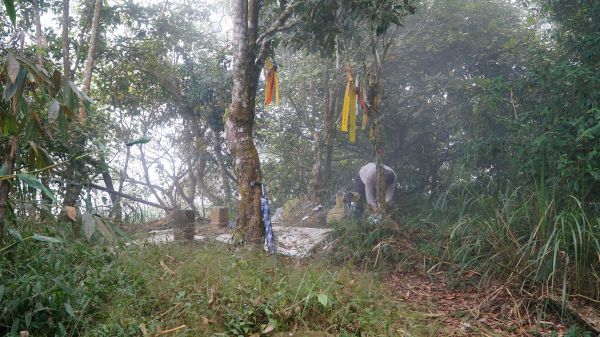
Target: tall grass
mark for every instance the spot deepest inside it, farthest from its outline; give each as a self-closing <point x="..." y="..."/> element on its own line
<point x="526" y="234"/>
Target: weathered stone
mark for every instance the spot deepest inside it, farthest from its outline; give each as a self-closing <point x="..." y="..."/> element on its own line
<point x="184" y="221"/>
<point x="302" y="213"/>
<point x="219" y="216"/>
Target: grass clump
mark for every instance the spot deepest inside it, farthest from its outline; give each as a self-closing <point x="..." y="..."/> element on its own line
<point x="217" y="291"/>
<point x="530" y="235"/>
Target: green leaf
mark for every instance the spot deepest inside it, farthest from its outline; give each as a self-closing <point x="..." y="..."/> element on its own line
<point x="323" y="299"/>
<point x="69" y="98"/>
<point x="63" y="125"/>
<point x="15" y="234"/>
<point x="79" y="93"/>
<point x="69" y="309"/>
<point x="142" y="140"/>
<point x="34" y="182"/>
<point x="3" y="170"/>
<point x="11" y="88"/>
<point x="105" y="230"/>
<point x="13" y="67"/>
<point x="53" y="111"/>
<point x="10" y="10"/>
<point x="89" y="225"/>
<point x="44" y="238"/>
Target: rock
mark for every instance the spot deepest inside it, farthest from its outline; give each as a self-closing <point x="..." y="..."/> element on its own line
<point x="219" y="216"/>
<point x="184" y="221"/>
<point x="302" y="213"/>
<point x="341" y="210"/>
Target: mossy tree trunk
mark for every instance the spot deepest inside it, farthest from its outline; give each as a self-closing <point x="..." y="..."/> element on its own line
<point x="240" y="121"/>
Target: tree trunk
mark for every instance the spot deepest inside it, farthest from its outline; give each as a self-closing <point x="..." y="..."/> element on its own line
<point x="117" y="210"/>
<point x="218" y="148"/>
<point x="374" y="97"/>
<point x="317" y="181"/>
<point x="240" y="122"/>
<point x="108" y="182"/>
<point x="10" y="152"/>
<point x="39" y="40"/>
<point x="65" y="40"/>
<point x="89" y="62"/>
<point x="329" y="126"/>
<point x="74" y="186"/>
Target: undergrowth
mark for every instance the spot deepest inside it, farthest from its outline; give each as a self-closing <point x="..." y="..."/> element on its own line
<point x="80" y="288"/>
<point x="529" y="236"/>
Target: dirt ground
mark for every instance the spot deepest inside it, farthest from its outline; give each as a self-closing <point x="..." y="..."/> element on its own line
<point x="456" y="308"/>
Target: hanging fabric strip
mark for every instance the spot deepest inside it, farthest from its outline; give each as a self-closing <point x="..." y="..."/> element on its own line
<point x="346" y="108"/>
<point x="352" y="117"/>
<point x="271" y="82"/>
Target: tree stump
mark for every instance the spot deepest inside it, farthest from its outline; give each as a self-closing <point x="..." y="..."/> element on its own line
<point x="184" y="221"/>
<point x="219" y="216"/>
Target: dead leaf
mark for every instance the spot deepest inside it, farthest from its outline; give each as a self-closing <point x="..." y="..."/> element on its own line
<point x="205" y="321"/>
<point x="268" y="329"/>
<point x="166" y="268"/>
<point x="13" y="67"/>
<point x="71" y="212"/>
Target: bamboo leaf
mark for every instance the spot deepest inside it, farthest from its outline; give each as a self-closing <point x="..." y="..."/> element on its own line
<point x="11" y="88"/>
<point x="89" y="225"/>
<point x="53" y="111"/>
<point x="35" y="183"/>
<point x="79" y="93"/>
<point x="48" y="239"/>
<point x="10" y="10"/>
<point x="13" y="67"/>
<point x="15" y="234"/>
<point x="105" y="230"/>
<point x="142" y="140"/>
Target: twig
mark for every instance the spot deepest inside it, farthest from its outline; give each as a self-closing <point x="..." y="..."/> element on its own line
<point x="44" y="168"/>
<point x="170" y="330"/>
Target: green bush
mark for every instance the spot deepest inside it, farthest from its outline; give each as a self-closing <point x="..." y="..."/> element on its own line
<point x="53" y="288"/>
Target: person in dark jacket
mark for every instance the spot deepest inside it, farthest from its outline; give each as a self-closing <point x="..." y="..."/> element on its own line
<point x="365" y="183"/>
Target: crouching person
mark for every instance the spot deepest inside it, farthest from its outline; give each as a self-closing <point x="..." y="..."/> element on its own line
<point x="365" y="184"/>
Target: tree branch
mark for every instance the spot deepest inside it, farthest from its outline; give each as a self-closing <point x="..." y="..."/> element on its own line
<point x="263" y="39"/>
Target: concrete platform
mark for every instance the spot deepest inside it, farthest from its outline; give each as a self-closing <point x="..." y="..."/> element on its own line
<point x="290" y="241"/>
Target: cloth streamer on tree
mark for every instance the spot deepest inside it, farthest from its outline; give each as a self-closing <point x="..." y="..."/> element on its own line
<point x="349" y="108"/>
<point x="271" y="82"/>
